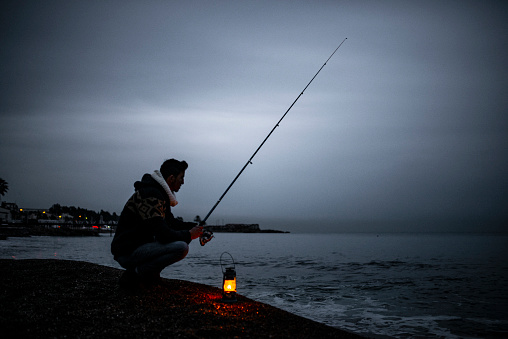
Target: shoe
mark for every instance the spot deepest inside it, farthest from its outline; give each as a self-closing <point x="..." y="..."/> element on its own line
<point x="129" y="280"/>
<point x="150" y="280"/>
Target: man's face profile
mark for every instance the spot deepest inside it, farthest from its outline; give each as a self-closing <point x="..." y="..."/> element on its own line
<point x="175" y="183"/>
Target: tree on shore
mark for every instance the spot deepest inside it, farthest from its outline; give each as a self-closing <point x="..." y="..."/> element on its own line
<point x="83" y="214"/>
<point x="4" y="187"/>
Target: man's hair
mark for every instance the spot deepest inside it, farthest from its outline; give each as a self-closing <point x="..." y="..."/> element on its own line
<point x="172" y="167"/>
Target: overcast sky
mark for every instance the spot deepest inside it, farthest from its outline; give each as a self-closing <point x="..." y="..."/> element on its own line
<point x="405" y="128"/>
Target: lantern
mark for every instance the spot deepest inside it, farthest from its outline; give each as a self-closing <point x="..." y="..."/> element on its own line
<point x="228" y="282"/>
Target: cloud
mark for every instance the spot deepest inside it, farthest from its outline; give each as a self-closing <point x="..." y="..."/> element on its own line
<point x="405" y="122"/>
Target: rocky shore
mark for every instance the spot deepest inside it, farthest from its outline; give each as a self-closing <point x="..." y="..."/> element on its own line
<point x="60" y="298"/>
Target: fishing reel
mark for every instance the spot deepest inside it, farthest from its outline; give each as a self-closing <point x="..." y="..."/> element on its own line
<point x="205" y="237"/>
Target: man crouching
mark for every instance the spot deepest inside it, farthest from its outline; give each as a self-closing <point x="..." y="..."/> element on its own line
<point x="148" y="238"/>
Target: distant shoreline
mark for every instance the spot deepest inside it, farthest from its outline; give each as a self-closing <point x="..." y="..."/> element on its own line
<point x="28" y="231"/>
<point x="240" y="228"/>
<point x="80" y="231"/>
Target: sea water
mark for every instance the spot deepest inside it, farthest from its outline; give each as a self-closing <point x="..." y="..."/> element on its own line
<point x="394" y="285"/>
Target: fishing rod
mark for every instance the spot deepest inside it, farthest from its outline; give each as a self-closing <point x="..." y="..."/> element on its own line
<point x="207" y="234"/>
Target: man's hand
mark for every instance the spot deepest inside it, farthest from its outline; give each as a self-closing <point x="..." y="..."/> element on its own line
<point x="196" y="232"/>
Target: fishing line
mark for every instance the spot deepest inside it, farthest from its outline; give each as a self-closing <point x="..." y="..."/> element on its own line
<point x="207" y="234"/>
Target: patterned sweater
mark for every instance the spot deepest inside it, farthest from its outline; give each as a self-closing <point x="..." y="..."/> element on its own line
<point x="147" y="217"/>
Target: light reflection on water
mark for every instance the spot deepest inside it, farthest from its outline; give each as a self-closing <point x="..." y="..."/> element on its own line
<point x="397" y="284"/>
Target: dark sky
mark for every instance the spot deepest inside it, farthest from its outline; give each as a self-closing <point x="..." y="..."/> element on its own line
<point x="405" y="128"/>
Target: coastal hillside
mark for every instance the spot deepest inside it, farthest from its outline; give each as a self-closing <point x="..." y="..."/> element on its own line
<point x="240" y="228"/>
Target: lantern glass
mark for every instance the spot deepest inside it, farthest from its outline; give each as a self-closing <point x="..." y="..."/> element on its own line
<point x="230" y="285"/>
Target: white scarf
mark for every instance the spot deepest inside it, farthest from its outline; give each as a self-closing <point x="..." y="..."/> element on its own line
<point x="160" y="179"/>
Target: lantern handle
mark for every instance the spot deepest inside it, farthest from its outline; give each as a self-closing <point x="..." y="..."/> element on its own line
<point x="222" y="265"/>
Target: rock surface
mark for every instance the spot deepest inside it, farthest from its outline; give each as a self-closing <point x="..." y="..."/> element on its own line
<point x="60" y="298"/>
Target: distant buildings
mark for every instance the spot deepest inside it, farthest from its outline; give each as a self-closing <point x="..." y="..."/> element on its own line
<point x="11" y="213"/>
<point x="5" y="215"/>
<point x="8" y="212"/>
